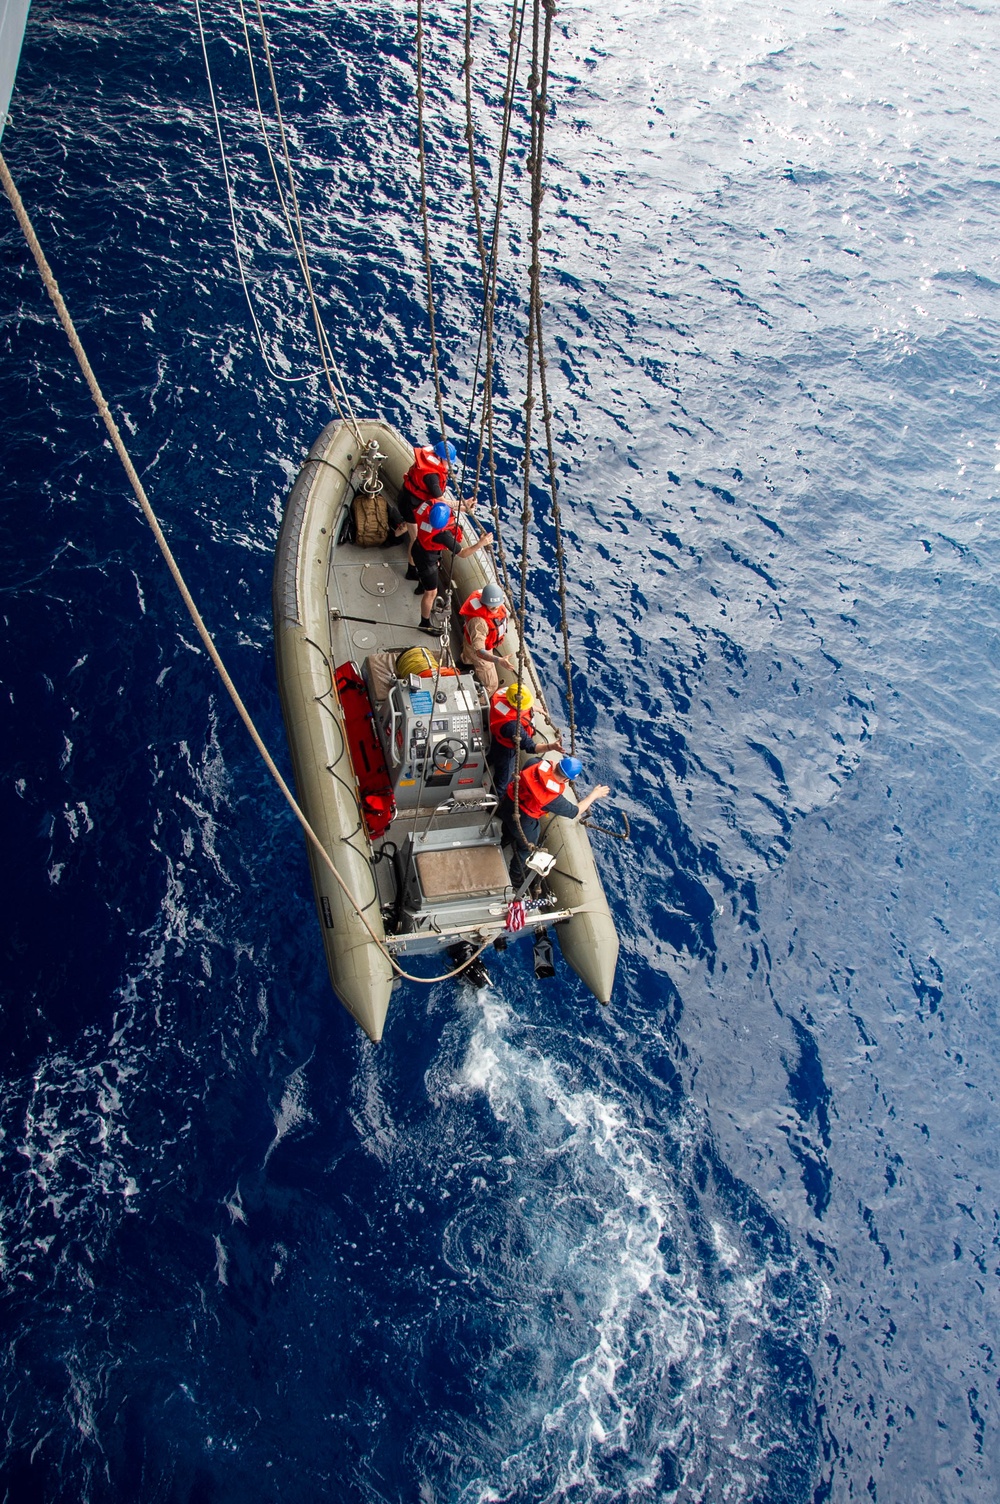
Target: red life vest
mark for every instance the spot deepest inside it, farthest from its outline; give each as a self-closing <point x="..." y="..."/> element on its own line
<point x="540" y="784"/>
<point x="428" y="537"/>
<point x="503" y="718"/>
<point x="425" y="464"/>
<point x="496" y="620"/>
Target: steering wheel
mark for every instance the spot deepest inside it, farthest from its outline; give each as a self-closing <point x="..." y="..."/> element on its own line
<point x="448" y="752"/>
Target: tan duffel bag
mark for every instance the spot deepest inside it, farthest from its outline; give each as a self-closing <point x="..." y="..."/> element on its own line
<point x="371" y="519"/>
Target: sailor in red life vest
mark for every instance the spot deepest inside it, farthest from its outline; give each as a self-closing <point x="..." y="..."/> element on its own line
<point x="425" y="481"/>
<point x="437" y="535"/>
<point x="511" y="727"/>
<point x="484" y="628"/>
<point x="542" y="792"/>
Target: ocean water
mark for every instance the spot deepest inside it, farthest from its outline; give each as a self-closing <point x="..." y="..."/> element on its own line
<point x="734" y="1239"/>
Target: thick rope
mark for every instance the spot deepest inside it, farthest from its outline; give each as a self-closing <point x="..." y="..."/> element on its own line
<point x="52" y="288"/>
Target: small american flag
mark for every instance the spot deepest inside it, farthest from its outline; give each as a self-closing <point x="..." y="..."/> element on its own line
<point x="515" y="915"/>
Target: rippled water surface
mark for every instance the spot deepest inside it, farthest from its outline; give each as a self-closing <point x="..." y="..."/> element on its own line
<point x="736" y="1237"/>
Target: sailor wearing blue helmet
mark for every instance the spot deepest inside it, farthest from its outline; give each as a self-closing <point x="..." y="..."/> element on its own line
<point x="541" y="792"/>
<point x="437" y="534"/>
<point x="425" y="481"/>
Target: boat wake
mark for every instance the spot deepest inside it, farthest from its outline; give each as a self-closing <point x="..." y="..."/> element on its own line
<point x="640" y="1336"/>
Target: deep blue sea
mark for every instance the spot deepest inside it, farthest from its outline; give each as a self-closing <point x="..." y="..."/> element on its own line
<point x="735" y="1239"/>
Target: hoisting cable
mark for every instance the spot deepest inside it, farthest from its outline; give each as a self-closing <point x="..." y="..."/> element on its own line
<point x="513" y="54"/>
<point x="52" y="288"/>
<point x="535" y="315"/>
<point x="421" y="142"/>
<point x="557" y="521"/>
<point x="534" y="160"/>
<point x="425" y="223"/>
<point x="488" y="269"/>
<point x="341" y="402"/>
<point x="265" y="137"/>
<point x="275" y="375"/>
<point x="422" y="154"/>
<point x="477" y="215"/>
<point x="547" y="412"/>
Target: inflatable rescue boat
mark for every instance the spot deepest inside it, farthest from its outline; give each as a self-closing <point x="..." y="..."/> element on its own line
<point x="389" y="734"/>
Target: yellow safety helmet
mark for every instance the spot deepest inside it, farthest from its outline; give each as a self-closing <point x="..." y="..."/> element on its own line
<point x="520" y="697"/>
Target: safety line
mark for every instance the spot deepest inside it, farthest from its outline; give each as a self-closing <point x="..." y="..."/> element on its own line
<point x="52" y="288"/>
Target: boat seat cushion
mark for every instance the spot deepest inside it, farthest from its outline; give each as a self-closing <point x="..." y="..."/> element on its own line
<point x="462" y="872"/>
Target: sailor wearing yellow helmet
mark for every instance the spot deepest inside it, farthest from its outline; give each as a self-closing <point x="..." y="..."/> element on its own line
<point x="511" y="727"/>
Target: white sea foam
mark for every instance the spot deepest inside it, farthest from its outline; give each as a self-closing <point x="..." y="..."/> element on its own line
<point x="81" y="1162"/>
<point x="291" y="1111"/>
<point x="644" y="1324"/>
<point x="234" y="1206"/>
<point x="369" y="1111"/>
<point x="261" y="1026"/>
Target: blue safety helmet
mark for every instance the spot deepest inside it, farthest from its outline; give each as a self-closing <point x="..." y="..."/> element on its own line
<point x="440" y="515"/>
<point x="447" y="452"/>
<point x="570" y="767"/>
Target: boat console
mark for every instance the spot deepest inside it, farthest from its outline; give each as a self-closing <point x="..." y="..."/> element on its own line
<point x="431" y="730"/>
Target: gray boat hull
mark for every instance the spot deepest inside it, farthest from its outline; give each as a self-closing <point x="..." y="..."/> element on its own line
<point x="328" y="613"/>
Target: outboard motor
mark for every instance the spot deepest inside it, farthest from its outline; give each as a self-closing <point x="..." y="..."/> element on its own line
<point x="475" y="973"/>
<point x="542" y="954"/>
